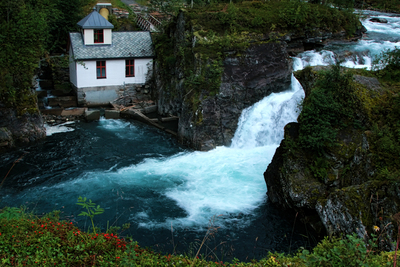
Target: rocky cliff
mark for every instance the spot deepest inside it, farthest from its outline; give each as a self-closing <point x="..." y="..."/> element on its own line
<point x="209" y="109"/>
<point x="207" y="78"/>
<point x="245" y="80"/>
<point x="347" y="186"/>
<point x="19" y="127"/>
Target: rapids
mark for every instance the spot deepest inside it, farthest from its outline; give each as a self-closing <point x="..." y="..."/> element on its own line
<point x="169" y="194"/>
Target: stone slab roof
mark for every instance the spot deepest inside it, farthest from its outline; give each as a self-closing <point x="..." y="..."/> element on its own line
<point x="95" y="21"/>
<point x="124" y="45"/>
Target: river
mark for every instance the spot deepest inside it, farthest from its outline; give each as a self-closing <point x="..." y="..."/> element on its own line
<point x="169" y="194"/>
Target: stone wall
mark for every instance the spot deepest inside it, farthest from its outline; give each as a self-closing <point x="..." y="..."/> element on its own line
<point x="103" y="95"/>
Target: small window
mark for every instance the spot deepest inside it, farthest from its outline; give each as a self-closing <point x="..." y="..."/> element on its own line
<point x="101" y="69"/>
<point x="98" y="36"/>
<point x="130" y="68"/>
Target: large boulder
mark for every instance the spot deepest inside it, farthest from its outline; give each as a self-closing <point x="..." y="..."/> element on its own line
<point x="19" y="129"/>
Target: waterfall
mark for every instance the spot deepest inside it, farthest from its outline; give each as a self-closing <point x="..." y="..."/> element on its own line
<point x="142" y="177"/>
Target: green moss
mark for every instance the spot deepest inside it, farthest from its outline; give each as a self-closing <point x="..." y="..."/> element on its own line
<point x="26" y="103"/>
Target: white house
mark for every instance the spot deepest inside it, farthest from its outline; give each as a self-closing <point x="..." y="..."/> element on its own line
<point x="103" y="63"/>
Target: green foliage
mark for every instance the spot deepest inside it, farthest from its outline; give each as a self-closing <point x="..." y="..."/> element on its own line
<point x="30" y="29"/>
<point x="9" y="213"/>
<point x="387" y="65"/>
<point x="385" y="134"/>
<point x="169" y="8"/>
<point x="283" y="16"/>
<point x="91" y="209"/>
<point x="346" y="252"/>
<point x="331" y="106"/>
<point x="47" y="241"/>
<point x="319" y="168"/>
<point x="124" y="24"/>
<point x="26" y="240"/>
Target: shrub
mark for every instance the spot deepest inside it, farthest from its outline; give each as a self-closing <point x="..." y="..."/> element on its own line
<point x="330" y="106"/>
<point x="347" y="252"/>
<point x="387" y="65"/>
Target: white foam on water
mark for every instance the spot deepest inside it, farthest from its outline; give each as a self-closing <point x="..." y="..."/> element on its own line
<point x="226" y="181"/>
<point x="61" y="128"/>
<point x="313" y="58"/>
<point x="392" y="27"/>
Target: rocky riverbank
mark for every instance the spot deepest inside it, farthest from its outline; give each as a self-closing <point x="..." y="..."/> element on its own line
<point x="340" y="189"/>
<point x="17" y="130"/>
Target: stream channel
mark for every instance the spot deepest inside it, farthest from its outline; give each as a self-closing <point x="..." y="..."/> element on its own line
<point x="171" y="195"/>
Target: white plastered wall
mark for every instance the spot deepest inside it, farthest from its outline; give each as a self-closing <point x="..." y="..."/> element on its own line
<point x="72" y="68"/>
<point x="115" y="73"/>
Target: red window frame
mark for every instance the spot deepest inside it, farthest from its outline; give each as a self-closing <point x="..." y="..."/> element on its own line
<point x="99" y="36"/>
<point x="130" y="68"/>
<point x="101" y="69"/>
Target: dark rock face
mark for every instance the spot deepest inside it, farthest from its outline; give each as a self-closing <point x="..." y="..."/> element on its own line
<point x="246" y="79"/>
<point x="19" y="130"/>
<point x="347" y="199"/>
<point x="261" y="70"/>
<point x="288" y="178"/>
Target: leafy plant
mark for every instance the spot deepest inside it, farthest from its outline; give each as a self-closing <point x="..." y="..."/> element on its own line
<point x="49" y="241"/>
<point x="91" y="210"/>
<point x="330" y="106"/>
<point x="387" y="65"/>
<point x="336" y="252"/>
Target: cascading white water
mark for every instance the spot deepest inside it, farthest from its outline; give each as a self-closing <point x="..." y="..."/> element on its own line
<point x="226" y="181"/>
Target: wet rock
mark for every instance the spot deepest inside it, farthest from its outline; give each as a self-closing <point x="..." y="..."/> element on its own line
<point x="379" y="20"/>
<point x="18" y="130"/>
<point x="92" y="115"/>
<point x="371" y="83"/>
<point x="111" y="114"/>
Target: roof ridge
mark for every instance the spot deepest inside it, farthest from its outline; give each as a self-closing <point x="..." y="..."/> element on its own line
<point x="95" y="21"/>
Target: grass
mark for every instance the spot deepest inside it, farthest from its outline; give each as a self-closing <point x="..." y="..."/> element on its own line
<point x="28" y="240"/>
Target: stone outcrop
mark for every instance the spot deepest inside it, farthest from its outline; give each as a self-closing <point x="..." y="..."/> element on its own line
<point x="347" y="198"/>
<point x="209" y="119"/>
<point x="247" y="78"/>
<point x="17" y="130"/>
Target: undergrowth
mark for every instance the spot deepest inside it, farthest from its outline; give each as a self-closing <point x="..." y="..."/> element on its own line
<point x="28" y="240"/>
<point x="331" y="106"/>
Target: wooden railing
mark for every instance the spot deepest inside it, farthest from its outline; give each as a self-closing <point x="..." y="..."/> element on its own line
<point x="143" y="23"/>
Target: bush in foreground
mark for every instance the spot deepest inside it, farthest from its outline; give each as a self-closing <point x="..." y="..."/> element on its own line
<point x="27" y="240"/>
